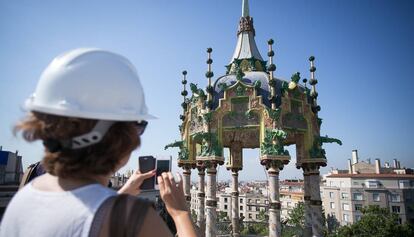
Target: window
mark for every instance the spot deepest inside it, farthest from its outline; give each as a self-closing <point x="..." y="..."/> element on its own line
<point x="358" y="196"/>
<point x="249" y="208"/>
<point x="250" y="215"/>
<point x="257" y="200"/>
<point x="331" y="195"/>
<point x="249" y="200"/>
<point x="225" y="199"/>
<point x="358" y="217"/>
<point x="289" y="204"/>
<point x="345" y="206"/>
<point x="225" y="207"/>
<point x="396" y="209"/>
<point x="257" y="216"/>
<point x="344" y="195"/>
<point x="266" y="201"/>
<point x="241" y="200"/>
<point x="241" y="208"/>
<point x="331" y="183"/>
<point x="395" y="198"/>
<point x="257" y="208"/>
<point x="358" y="207"/>
<point x="376" y="197"/>
<point x="333" y="214"/>
<point x="372" y="184"/>
<point x="404" y="183"/>
<point x="332" y="204"/>
<point x="345" y="217"/>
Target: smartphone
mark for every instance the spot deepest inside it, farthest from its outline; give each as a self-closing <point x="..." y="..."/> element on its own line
<point x="147" y="163"/>
<point x="162" y="166"/>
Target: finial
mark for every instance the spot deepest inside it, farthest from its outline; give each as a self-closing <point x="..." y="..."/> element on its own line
<point x="184" y="93"/>
<point x="245" y="10"/>
<point x="209" y="75"/>
<point x="313" y="82"/>
<point x="271" y="68"/>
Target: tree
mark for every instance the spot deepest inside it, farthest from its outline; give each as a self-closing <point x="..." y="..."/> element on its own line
<point x="222" y="216"/>
<point x="332" y="224"/>
<point x="297" y="216"/>
<point x="376" y="222"/>
<point x="194" y="215"/>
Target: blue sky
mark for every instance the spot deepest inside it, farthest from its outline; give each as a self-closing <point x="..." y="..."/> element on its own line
<point x="364" y="53"/>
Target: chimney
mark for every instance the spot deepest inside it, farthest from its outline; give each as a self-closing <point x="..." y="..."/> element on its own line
<point x="354" y="156"/>
<point x="377" y="166"/>
<point x="349" y="166"/>
<point x="395" y="163"/>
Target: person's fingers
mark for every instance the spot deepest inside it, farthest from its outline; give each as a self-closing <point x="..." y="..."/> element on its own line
<point x="180" y="185"/>
<point x="137" y="172"/>
<point x="147" y="175"/>
<point x="161" y="185"/>
<point x="167" y="183"/>
<point x="172" y="181"/>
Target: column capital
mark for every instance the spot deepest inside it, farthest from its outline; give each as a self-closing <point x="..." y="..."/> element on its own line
<point x="275" y="165"/>
<point x="235" y="171"/>
<point x="210" y="164"/>
<point x="310" y="169"/>
<point x="187" y="166"/>
<point x="201" y="170"/>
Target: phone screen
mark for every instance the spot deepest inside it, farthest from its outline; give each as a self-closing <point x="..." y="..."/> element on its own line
<point x="162" y="166"/>
<point x="147" y="163"/>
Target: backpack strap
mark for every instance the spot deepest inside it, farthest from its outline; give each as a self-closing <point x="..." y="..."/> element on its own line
<point x="137" y="216"/>
<point x="127" y="215"/>
<point x="100" y="215"/>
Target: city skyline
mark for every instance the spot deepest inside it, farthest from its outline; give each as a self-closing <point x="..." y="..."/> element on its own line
<point x="363" y="54"/>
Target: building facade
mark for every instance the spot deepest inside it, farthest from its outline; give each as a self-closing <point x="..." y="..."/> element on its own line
<point x="11" y="168"/>
<point x="254" y="201"/>
<point x="345" y="192"/>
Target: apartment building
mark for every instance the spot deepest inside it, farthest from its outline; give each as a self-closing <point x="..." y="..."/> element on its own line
<point x="345" y="192"/>
<point x="11" y="168"/>
<point x="253" y="199"/>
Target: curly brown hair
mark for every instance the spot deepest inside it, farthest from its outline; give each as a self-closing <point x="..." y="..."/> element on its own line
<point x="98" y="159"/>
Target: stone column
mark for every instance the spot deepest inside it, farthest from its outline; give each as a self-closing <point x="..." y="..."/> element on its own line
<point x="201" y="195"/>
<point x="274" y="205"/>
<point x="235" y="203"/>
<point x="211" y="202"/>
<point x="315" y="202"/>
<point x="307" y="206"/>
<point x="187" y="183"/>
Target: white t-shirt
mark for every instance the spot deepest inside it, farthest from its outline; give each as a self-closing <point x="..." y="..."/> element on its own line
<point x="37" y="213"/>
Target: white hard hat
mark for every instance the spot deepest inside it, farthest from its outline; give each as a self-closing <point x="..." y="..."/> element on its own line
<point x="90" y="83"/>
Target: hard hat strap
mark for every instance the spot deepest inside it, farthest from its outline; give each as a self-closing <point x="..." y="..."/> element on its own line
<point x="92" y="137"/>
